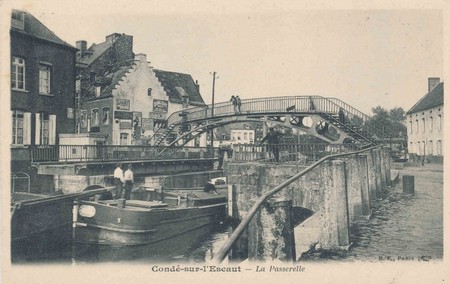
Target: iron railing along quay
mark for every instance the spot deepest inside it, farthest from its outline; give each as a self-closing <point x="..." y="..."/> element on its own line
<point x="112" y="153"/>
<point x="304" y="153"/>
<point x="225" y="249"/>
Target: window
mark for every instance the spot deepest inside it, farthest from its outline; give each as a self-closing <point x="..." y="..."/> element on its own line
<point x="423" y="124"/>
<point x="430" y="147"/>
<point x="95" y="121"/>
<point x="18" y="73"/>
<point x="123" y="138"/>
<point x="44" y="79"/>
<point x="43" y="120"/>
<point x="92" y="77"/>
<point x="439" y="122"/>
<point x="410" y="127"/>
<point x="17" y="127"/>
<point x="149" y="92"/>
<point x="439" y="147"/>
<point x="98" y="91"/>
<point x="105" y="119"/>
<point x="431" y="124"/>
<point x="417" y="126"/>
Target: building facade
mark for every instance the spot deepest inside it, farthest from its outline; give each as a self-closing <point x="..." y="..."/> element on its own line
<point x="425" y="124"/>
<point x="124" y="98"/>
<point x="42" y="82"/>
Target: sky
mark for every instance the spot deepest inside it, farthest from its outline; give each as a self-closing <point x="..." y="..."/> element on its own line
<point x="365" y="57"/>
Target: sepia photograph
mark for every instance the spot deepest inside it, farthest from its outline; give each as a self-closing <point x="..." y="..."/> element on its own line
<point x="191" y="140"/>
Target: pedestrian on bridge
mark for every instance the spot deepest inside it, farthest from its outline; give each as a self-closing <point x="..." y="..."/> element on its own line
<point x="234" y="101"/>
<point x="238" y="104"/>
<point x="129" y="181"/>
<point x="118" y="180"/>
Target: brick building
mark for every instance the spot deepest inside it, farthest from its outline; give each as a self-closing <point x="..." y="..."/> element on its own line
<point x="424" y="122"/>
<point x="124" y="98"/>
<point x="42" y="89"/>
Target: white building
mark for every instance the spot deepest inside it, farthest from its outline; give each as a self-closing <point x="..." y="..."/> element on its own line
<point x="425" y="121"/>
<point x="242" y="136"/>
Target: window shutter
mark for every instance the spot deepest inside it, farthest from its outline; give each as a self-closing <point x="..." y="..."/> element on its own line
<point x="27" y="128"/>
<point x="38" y="129"/>
<point x="52" y="129"/>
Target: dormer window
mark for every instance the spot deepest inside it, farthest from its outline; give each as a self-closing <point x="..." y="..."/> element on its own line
<point x="92" y="77"/>
<point x="98" y="91"/>
<point x="18" y="20"/>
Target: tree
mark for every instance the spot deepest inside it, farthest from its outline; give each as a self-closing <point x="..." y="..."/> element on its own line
<point x="387" y="123"/>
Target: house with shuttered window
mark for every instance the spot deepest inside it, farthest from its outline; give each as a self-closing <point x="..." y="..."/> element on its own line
<point x="42" y="86"/>
<point x="425" y="124"/>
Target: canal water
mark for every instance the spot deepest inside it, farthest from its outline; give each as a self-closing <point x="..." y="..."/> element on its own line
<point x="402" y="225"/>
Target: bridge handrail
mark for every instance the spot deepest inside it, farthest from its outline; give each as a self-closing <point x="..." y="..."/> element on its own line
<point x="312" y="104"/>
<point x="348" y="109"/>
<point x="225" y="249"/>
<point x="254" y="105"/>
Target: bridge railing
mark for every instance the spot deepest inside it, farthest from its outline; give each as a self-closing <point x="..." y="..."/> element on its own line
<point x="331" y="108"/>
<point x="354" y="114"/>
<point x="304" y="153"/>
<point x="112" y="153"/>
<point x="258" y="105"/>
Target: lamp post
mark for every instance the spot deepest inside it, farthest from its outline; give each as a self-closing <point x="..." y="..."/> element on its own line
<point x="212" y="105"/>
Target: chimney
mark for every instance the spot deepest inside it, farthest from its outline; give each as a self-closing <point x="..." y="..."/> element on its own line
<point x="112" y="37"/>
<point x="142" y="57"/>
<point x="197" y="85"/>
<point x="432" y="82"/>
<point x="81" y="45"/>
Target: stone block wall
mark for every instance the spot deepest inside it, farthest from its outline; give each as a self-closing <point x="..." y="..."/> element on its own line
<point x="339" y="191"/>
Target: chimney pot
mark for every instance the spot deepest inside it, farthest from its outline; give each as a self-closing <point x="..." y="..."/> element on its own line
<point x="197" y="85"/>
<point x="432" y="82"/>
<point x="81" y="45"/>
<point x="141" y="57"/>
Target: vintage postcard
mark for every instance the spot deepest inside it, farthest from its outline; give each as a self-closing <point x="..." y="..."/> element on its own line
<point x="267" y="141"/>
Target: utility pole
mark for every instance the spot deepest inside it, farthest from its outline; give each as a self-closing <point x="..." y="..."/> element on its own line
<point x="212" y="105"/>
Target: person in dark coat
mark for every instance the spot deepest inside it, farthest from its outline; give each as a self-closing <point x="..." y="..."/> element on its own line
<point x="210" y="187"/>
<point x="234" y="101"/>
<point x="273" y="140"/>
<point x="341" y="116"/>
<point x="129" y="181"/>
<point x="238" y="104"/>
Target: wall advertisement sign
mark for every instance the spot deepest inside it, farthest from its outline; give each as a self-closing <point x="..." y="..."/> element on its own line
<point x="158" y="115"/>
<point x="123" y="104"/>
<point x="125" y="125"/>
<point x="160" y="106"/>
<point x="147" y="123"/>
<point x="137" y="119"/>
<point x="123" y="115"/>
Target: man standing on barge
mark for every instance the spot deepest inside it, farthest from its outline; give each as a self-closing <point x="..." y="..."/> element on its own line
<point x="129" y="180"/>
<point x="118" y="180"/>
